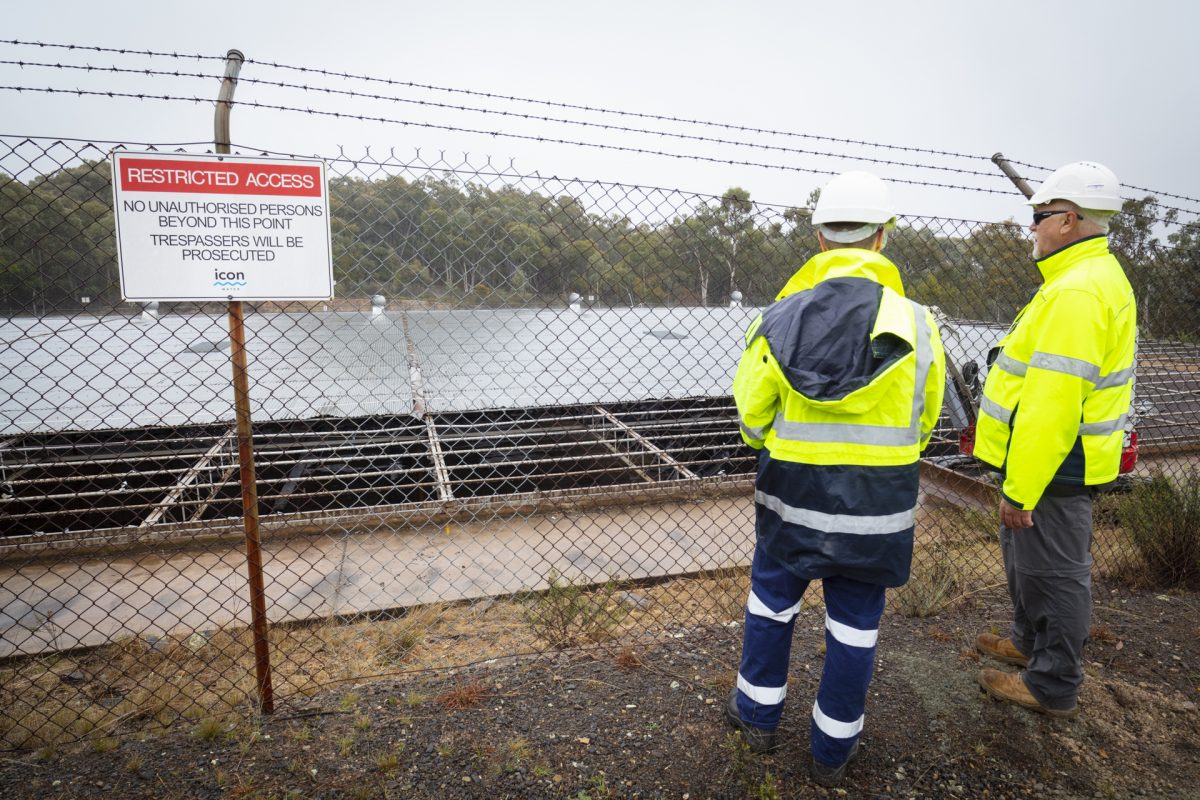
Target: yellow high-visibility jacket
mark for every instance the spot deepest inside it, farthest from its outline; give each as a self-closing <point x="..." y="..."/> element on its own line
<point x="841" y="385"/>
<point x="1057" y="396"/>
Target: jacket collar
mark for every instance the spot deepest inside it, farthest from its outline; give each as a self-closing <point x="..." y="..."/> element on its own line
<point x="844" y="262"/>
<point x="1062" y="259"/>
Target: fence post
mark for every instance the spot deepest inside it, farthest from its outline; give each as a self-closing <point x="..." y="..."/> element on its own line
<point x="1008" y="169"/>
<point x="241" y="397"/>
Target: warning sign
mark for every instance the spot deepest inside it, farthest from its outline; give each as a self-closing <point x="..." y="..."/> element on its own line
<point x="217" y="227"/>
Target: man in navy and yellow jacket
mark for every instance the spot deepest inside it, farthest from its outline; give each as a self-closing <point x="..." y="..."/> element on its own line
<point x="1052" y="420"/>
<point x="839" y="387"/>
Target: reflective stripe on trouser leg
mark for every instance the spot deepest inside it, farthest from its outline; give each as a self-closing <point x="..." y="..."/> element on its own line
<point x="770" y="617"/>
<point x="853" y="610"/>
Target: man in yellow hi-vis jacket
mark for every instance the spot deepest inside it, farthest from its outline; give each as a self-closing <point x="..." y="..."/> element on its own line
<point x="1052" y="419"/>
<point x="839" y="387"/>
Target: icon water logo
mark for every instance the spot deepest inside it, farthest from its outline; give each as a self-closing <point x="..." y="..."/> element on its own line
<point x="229" y="280"/>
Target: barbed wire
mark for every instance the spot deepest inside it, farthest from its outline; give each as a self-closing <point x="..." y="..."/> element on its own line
<point x="123" y="142"/>
<point x="120" y="50"/>
<point x="991" y="175"/>
<point x="513" y="173"/>
<point x="590" y="109"/>
<point x="518" y="99"/>
<point x="602" y="110"/>
<point x="481" y="132"/>
<point x="112" y="68"/>
<point x="1155" y="192"/>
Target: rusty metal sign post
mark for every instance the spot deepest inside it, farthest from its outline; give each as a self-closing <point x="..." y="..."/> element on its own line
<point x="241" y="395"/>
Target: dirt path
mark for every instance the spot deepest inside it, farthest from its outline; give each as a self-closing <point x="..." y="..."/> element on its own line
<point x="644" y="720"/>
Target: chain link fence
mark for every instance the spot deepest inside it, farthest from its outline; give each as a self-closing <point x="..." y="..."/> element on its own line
<point x="510" y="432"/>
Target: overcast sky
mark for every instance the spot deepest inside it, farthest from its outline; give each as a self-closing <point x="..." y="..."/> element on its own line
<point x="1046" y="83"/>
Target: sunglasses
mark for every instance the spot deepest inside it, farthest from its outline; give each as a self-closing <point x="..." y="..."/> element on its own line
<point x="1041" y="216"/>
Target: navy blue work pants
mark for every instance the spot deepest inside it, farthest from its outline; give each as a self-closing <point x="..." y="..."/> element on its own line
<point x="852" y="617"/>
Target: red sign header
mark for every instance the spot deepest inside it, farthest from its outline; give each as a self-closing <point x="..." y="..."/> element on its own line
<point x="216" y="177"/>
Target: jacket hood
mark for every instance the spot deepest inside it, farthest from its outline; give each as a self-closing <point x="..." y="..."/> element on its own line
<point x="836" y="343"/>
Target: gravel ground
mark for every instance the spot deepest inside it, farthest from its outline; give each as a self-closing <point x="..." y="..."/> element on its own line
<point x="644" y="720"/>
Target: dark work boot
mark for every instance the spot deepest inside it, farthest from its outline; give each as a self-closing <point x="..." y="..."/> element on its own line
<point x="760" y="740"/>
<point x="832" y="776"/>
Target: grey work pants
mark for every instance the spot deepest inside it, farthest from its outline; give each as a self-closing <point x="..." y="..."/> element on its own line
<point x="1048" y="568"/>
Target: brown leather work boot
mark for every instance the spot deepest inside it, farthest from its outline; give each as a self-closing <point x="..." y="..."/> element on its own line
<point x="1010" y="688"/>
<point x="1000" y="648"/>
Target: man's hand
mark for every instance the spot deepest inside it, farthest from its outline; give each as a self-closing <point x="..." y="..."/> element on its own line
<point x="1013" y="517"/>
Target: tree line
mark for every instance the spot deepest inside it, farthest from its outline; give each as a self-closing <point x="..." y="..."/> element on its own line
<point x="440" y="240"/>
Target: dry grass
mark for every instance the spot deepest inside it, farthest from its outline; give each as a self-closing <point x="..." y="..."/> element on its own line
<point x="627" y="660"/>
<point x="467" y="695"/>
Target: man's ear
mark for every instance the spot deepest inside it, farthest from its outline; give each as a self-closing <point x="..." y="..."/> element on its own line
<point x="821" y="241"/>
<point x="877" y="246"/>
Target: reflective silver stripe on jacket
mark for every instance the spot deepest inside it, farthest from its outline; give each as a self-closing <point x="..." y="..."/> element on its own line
<point x="754" y="433"/>
<point x="1115" y="379"/>
<point x="1106" y="428"/>
<point x="924" y="362"/>
<point x="842" y="433"/>
<point x="1010" y="365"/>
<point x="838" y="523"/>
<point x="1066" y="365"/>
<point x="994" y="410"/>
<point x="883" y="435"/>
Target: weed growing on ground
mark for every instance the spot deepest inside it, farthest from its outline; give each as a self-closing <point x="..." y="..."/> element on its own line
<point x="209" y="728"/>
<point x="768" y="789"/>
<point x="963" y="525"/>
<point x="105" y="744"/>
<point x="739" y="754"/>
<point x="567" y="615"/>
<point x="299" y="733"/>
<point x="514" y="753"/>
<point x="934" y="585"/>
<point x="597" y="789"/>
<point x="134" y="763"/>
<point x="387" y="762"/>
<point x="1162" y="517"/>
<point x="400" y="640"/>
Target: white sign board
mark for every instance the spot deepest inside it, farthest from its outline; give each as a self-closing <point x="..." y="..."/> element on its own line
<point x="218" y="227"/>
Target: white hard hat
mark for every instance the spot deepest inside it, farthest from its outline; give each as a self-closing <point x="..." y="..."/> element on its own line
<point x="1085" y="183"/>
<point x="855" y="197"/>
